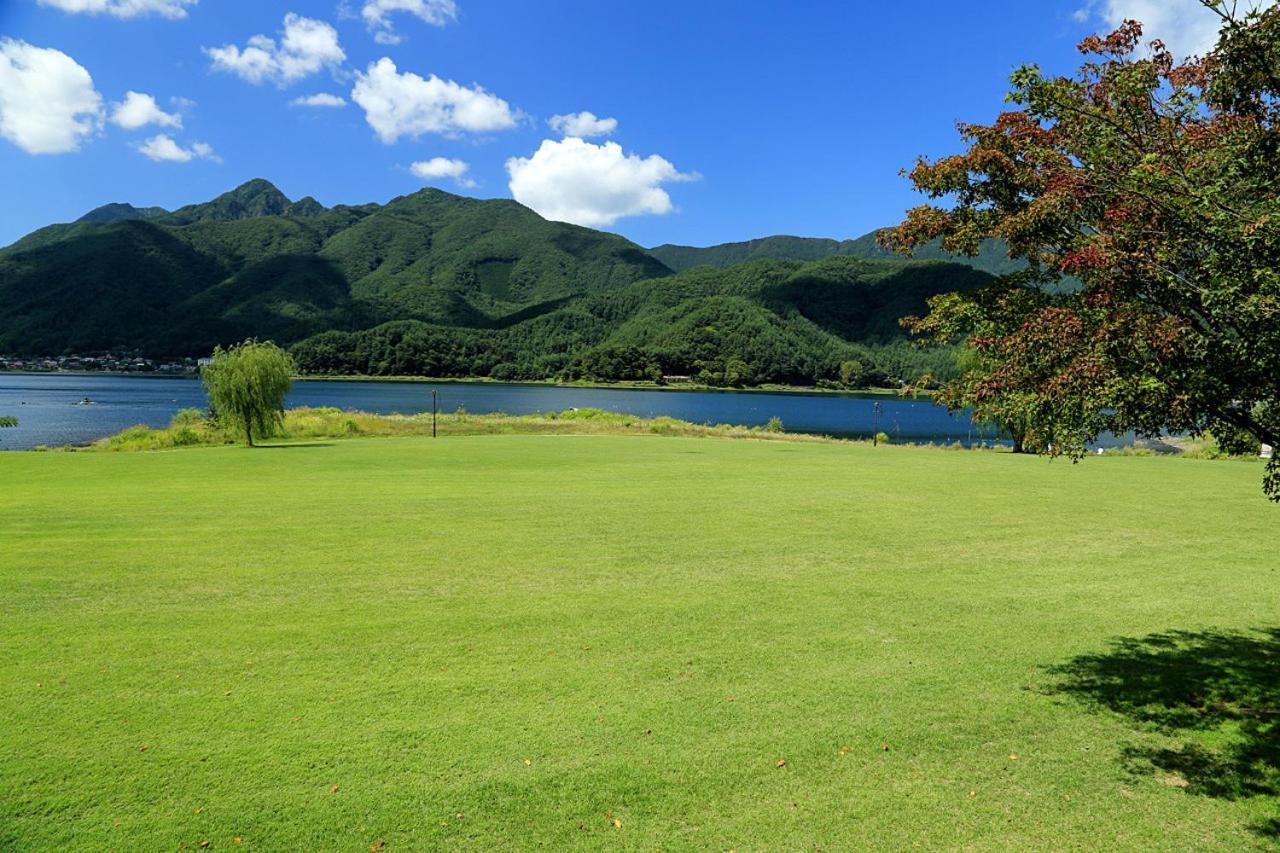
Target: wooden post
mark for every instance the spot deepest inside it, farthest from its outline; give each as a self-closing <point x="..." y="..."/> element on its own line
<point x="434" y="407"/>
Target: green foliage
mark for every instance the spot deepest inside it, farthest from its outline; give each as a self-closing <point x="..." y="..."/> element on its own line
<point x="1154" y="181"/>
<point x="253" y="264"/>
<point x="247" y="385"/>
<point x="8" y="421"/>
<point x="766" y="322"/>
<point x="851" y="373"/>
<point x="993" y="256"/>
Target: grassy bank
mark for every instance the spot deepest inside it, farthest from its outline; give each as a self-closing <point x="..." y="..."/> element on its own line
<point x="613" y="640"/>
<point x="191" y="428"/>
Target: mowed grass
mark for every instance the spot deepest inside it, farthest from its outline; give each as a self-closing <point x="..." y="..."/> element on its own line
<point x="512" y="642"/>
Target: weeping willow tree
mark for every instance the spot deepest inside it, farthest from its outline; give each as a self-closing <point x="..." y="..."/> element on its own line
<point x="8" y="422"/>
<point x="247" y="384"/>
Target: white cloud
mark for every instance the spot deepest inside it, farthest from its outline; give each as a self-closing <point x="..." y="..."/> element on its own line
<point x="47" y="101"/>
<point x="397" y="105"/>
<point x="571" y="180"/>
<point x="377" y="15"/>
<point x="171" y="9"/>
<point x="1186" y="26"/>
<point x="322" y="99"/>
<point x="139" y="110"/>
<point x="443" y="167"/>
<point x="582" y="125"/>
<point x="306" y="46"/>
<point x="163" y="148"/>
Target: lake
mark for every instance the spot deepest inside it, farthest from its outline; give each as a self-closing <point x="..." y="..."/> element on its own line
<point x="46" y="405"/>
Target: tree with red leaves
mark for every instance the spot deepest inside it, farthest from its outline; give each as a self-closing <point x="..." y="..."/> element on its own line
<point x="1144" y="194"/>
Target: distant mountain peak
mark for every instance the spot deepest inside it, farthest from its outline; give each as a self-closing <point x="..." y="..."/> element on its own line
<point x="258" y="197"/>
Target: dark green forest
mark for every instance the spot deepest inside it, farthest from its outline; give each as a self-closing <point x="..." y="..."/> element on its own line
<point x="827" y="322"/>
<point x="993" y="256"/>
<point x="442" y="285"/>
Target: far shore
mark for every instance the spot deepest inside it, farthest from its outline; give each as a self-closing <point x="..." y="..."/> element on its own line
<point x="800" y="390"/>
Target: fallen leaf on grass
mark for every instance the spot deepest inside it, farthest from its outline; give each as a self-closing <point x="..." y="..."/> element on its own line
<point x="235" y="840"/>
<point x="973" y="794"/>
<point x="617" y="824"/>
<point x="1013" y="756"/>
<point x="527" y="762"/>
<point x="204" y="843"/>
<point x="333" y="790"/>
<point x="782" y="762"/>
<point x="377" y="845"/>
<point x="143" y="748"/>
<point x="884" y="747"/>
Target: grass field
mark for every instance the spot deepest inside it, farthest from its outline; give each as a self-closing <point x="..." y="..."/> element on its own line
<point x="520" y="641"/>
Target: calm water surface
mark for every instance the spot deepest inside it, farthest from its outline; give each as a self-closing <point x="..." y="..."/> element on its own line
<point x="48" y="410"/>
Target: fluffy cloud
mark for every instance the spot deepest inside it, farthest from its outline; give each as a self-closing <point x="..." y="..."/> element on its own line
<point x="139" y="110"/>
<point x="1186" y="26"/>
<point x="172" y="9"/>
<point x="443" y="167"/>
<point x="306" y="46"/>
<point x="571" y="180"/>
<point x="162" y="147"/>
<point x="377" y="15"/>
<point x="323" y="99"/>
<point x="397" y="105"/>
<point x="582" y="125"/>
<point x="47" y="101"/>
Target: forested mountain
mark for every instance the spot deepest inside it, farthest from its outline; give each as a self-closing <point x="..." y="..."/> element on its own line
<point x="437" y="284"/>
<point x="767" y="321"/>
<point x="253" y="262"/>
<point x="992" y="258"/>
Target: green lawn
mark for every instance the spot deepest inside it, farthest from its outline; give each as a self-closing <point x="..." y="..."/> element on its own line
<point x="507" y="642"/>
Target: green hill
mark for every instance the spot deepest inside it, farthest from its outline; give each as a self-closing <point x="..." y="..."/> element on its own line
<point x="992" y="258"/>
<point x="253" y="262"/>
<point x="768" y="321"/>
<point x="437" y="284"/>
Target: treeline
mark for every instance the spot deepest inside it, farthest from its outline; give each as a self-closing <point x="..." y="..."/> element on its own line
<point x="829" y="323"/>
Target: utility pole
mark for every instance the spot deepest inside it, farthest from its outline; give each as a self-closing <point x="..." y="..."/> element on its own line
<point x="434" y="408"/>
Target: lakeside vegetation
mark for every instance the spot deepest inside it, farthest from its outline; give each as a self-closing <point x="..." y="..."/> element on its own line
<point x="571" y="642"/>
<point x="192" y="427"/>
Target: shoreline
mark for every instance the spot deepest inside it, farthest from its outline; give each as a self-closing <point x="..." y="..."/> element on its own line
<point x="683" y="387"/>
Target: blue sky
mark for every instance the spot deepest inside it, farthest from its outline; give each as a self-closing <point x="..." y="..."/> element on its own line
<point x="733" y="119"/>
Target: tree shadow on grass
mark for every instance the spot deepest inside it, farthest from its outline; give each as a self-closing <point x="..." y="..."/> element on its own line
<point x="1216" y="691"/>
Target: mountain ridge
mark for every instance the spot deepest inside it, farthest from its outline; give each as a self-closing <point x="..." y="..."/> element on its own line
<point x="993" y="256"/>
<point x="253" y="262"/>
<point x="440" y="284"/>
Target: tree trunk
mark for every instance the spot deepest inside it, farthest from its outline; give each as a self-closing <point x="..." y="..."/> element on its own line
<point x="248" y="433"/>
